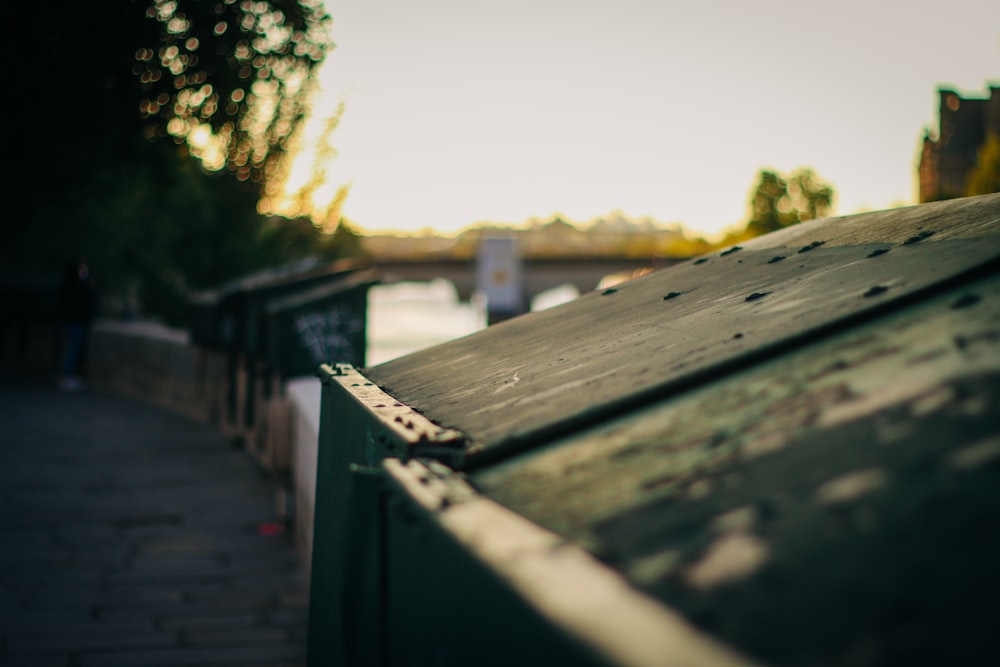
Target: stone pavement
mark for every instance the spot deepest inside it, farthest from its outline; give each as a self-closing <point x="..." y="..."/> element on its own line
<point x="130" y="536"/>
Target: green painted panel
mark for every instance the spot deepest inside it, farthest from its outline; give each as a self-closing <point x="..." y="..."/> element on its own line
<point x="837" y="505"/>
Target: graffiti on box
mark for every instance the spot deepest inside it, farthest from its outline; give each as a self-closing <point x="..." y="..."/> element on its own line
<point x="328" y="334"/>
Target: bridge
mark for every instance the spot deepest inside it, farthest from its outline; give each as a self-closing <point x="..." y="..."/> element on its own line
<point x="540" y="274"/>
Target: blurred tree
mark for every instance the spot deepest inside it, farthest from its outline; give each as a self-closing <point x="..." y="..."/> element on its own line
<point x="304" y="200"/>
<point x="111" y="104"/>
<point x="810" y="197"/>
<point x="230" y="79"/>
<point x="985" y="175"/>
<point x="345" y="242"/>
<point x="769" y="196"/>
<point x="778" y="201"/>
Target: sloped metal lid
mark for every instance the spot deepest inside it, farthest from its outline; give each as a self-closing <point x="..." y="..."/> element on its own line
<point x="529" y="379"/>
<point x="834" y="505"/>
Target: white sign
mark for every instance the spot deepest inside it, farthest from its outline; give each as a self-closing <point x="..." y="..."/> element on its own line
<point x="499" y="274"/>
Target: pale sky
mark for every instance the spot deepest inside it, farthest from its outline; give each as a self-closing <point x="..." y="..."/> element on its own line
<point x="463" y="111"/>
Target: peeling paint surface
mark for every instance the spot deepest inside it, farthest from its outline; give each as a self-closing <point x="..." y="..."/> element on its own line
<point x="800" y="456"/>
<point x="816" y="509"/>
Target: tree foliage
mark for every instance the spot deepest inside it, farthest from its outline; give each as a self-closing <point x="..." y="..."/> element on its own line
<point x="778" y="201"/>
<point x="230" y="78"/>
<point x="984" y="178"/>
<point x="142" y="133"/>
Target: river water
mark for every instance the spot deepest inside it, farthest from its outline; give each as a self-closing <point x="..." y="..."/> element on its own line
<point x="410" y="316"/>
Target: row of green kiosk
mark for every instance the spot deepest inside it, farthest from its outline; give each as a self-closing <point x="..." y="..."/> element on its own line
<point x="268" y="327"/>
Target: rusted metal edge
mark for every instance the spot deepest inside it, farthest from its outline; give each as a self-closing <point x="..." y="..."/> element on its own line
<point x="478" y="457"/>
<point x="589" y="601"/>
<point x="421" y="436"/>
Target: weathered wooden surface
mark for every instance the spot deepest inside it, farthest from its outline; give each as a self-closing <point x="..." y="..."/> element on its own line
<point x="530" y="379"/>
<point x="834" y="506"/>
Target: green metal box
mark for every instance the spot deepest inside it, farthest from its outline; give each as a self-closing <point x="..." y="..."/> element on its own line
<point x="324" y="324"/>
<point x="782" y="453"/>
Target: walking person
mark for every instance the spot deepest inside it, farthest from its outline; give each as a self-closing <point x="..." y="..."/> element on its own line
<point x="77" y="305"/>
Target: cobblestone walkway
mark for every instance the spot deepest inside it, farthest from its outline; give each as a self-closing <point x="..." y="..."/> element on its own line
<point x="130" y="536"/>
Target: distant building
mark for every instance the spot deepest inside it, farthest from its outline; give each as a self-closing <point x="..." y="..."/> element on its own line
<point x="945" y="160"/>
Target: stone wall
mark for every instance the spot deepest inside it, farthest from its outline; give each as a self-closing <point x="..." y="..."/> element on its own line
<point x="158" y="365"/>
<point x="279" y="431"/>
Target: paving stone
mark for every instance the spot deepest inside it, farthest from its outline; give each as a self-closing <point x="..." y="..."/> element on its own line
<point x="288" y="616"/>
<point x="171" y="578"/>
<point x="237" y="656"/>
<point x="237" y="637"/>
<point x="222" y="620"/>
<point x="56" y="660"/>
<point x="27" y="620"/>
<point x="56" y="640"/>
<point x="128" y="597"/>
<point x="28" y="627"/>
<point x="45" y="595"/>
<point x="130" y="539"/>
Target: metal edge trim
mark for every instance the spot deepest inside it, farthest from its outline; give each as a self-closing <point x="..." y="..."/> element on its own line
<point x="403" y="421"/>
<point x="588" y="600"/>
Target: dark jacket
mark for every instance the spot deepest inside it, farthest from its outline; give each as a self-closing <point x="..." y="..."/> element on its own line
<point x="77" y="294"/>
